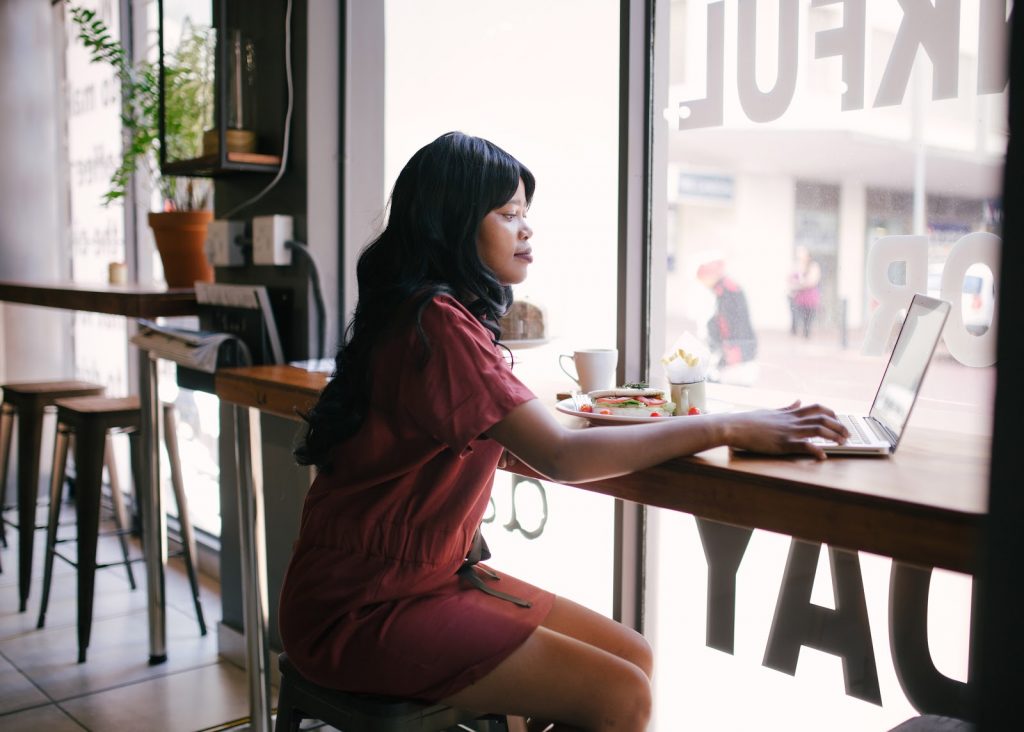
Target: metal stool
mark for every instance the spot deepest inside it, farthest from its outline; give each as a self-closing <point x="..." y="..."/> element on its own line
<point x="28" y="402"/>
<point x="300" y="699"/>
<point x="89" y="420"/>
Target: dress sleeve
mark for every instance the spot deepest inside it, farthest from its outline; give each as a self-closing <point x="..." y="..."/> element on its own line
<point x="465" y="386"/>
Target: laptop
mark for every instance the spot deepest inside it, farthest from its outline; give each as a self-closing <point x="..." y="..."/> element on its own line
<point x="879" y="432"/>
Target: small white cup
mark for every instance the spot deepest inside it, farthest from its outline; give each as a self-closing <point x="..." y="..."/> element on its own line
<point x="117" y="273"/>
<point x="595" y="368"/>
<point x="689" y="394"/>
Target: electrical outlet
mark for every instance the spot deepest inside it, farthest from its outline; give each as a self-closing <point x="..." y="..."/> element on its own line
<point x="269" y="233"/>
<point x="221" y="246"/>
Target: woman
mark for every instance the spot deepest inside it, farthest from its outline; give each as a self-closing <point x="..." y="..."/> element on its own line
<point x="379" y="596"/>
<point x="804" y="293"/>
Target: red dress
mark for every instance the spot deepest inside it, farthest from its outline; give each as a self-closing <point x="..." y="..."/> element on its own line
<point x="371" y="601"/>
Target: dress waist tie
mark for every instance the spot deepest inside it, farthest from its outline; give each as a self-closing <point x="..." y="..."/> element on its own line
<point x="477" y="553"/>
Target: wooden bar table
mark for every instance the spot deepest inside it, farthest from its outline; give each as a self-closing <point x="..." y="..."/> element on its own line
<point x="922" y="506"/>
<point x="278" y="390"/>
<point x="129" y="301"/>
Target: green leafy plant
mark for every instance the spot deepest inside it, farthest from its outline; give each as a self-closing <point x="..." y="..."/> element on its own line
<point x="188" y="102"/>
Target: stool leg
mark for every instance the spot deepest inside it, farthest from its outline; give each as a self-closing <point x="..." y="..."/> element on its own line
<point x="120" y="516"/>
<point x="30" y="436"/>
<point x="135" y="460"/>
<point x="288" y="718"/>
<point x="188" y="537"/>
<point x="89" y="449"/>
<point x="6" y="430"/>
<point x="60" y="461"/>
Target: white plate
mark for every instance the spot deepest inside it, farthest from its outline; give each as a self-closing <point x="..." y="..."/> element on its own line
<point x="566" y="407"/>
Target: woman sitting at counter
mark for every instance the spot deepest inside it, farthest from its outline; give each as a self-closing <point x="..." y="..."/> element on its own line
<point x="384" y="593"/>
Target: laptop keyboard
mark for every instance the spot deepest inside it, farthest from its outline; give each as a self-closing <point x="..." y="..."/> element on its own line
<point x="857" y="436"/>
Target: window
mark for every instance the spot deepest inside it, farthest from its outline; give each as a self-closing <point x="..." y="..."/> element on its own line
<point x="796" y="131"/>
<point x="543" y="84"/>
<point x="93" y="148"/>
<point x="93" y="145"/>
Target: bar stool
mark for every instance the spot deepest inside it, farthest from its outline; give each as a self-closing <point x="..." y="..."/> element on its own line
<point x="28" y="402"/>
<point x="301" y="699"/>
<point x="88" y="420"/>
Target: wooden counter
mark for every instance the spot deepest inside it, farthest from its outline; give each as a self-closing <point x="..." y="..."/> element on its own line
<point x="924" y="505"/>
<point x="131" y="301"/>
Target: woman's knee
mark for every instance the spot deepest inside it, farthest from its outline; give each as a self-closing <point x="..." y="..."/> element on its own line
<point x="627" y="703"/>
<point x="638" y="651"/>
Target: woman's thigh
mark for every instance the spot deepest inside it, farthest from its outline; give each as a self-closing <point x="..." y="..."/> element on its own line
<point x="593" y="628"/>
<point x="579" y="668"/>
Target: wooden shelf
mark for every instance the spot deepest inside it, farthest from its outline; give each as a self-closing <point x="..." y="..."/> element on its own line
<point x="211" y="165"/>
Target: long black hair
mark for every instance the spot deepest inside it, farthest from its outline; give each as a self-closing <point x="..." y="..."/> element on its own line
<point x="428" y="247"/>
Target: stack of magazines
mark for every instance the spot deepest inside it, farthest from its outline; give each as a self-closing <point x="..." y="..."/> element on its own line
<point x="195" y="349"/>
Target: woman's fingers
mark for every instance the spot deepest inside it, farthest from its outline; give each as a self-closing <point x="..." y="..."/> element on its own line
<point x="812" y="409"/>
<point x="824" y="426"/>
<point x="807" y="446"/>
<point x="791" y="429"/>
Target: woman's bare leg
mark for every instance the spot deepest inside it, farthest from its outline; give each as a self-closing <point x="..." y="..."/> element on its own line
<point x="581" y="623"/>
<point x="579" y="668"/>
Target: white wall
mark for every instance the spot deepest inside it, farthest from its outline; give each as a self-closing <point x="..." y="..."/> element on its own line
<point x="32" y="342"/>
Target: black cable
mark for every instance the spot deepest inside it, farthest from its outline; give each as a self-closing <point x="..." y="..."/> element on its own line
<point x="318" y="297"/>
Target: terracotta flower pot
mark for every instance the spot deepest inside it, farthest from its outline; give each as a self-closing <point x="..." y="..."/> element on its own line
<point x="181" y="240"/>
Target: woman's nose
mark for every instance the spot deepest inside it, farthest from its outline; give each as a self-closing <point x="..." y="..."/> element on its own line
<point x="526" y="232"/>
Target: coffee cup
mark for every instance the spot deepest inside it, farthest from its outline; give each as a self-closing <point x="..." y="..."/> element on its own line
<point x="594" y="368"/>
<point x="687" y="395"/>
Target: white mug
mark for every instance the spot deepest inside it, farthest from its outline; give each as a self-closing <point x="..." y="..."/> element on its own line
<point x="690" y="394"/>
<point x="595" y="368"/>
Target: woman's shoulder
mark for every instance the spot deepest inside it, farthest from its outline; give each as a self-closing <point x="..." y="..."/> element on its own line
<point x="444" y="311"/>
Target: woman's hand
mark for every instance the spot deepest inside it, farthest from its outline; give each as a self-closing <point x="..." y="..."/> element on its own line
<point x="507" y="460"/>
<point x="786" y="430"/>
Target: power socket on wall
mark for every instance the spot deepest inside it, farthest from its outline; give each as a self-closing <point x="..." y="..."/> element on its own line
<point x="222" y="246"/>
<point x="269" y="234"/>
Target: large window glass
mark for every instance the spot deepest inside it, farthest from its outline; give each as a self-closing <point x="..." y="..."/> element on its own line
<point x="824" y="160"/>
<point x="540" y="79"/>
<point x="93" y="146"/>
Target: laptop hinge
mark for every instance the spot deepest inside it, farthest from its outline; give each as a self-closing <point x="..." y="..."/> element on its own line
<point x="889" y="434"/>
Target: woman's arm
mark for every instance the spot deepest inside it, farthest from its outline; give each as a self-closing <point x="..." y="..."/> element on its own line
<point x="532" y="434"/>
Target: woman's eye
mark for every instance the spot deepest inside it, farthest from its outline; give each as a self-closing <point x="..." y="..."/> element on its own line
<point x="510" y="216"/>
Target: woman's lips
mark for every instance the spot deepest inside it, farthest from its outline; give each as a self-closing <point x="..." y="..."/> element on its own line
<point x="526" y="255"/>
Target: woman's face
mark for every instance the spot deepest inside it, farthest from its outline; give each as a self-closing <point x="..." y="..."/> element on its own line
<point x="503" y="241"/>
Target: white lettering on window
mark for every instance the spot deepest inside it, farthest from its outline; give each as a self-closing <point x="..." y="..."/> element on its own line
<point x="893" y="298"/>
<point x="933" y="28"/>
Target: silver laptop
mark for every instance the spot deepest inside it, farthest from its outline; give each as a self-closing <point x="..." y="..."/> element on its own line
<point x="879" y="432"/>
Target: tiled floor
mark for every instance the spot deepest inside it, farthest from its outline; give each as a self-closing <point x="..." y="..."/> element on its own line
<point x="42" y="687"/>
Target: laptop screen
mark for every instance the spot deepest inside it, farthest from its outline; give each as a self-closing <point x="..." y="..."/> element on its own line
<point x="909" y="362"/>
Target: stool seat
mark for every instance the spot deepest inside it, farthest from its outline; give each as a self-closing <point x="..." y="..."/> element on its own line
<point x="47" y="391"/>
<point x="27" y="401"/>
<point x="301" y="699"/>
<point x="100" y="411"/>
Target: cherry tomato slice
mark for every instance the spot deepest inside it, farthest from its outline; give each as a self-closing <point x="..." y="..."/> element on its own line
<point x="694" y="410"/>
<point x="587" y="408"/>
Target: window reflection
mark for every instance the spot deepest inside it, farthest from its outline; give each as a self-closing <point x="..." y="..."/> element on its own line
<point x="798" y="136"/>
<point x="541" y="80"/>
<point x="868" y="143"/>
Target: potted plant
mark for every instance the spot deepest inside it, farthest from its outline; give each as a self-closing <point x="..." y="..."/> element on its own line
<point x="180" y="228"/>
